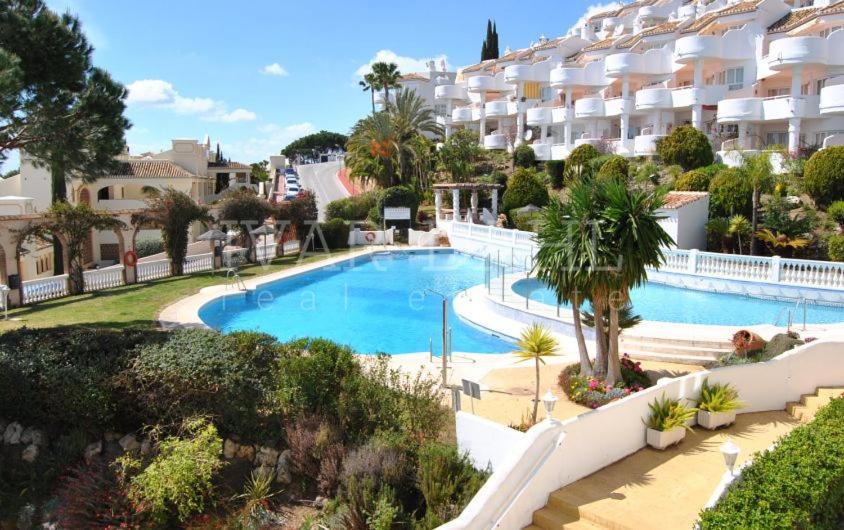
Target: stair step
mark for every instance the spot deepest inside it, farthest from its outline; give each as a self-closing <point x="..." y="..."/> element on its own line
<point x="681" y="349"/>
<point x="551" y="519"/>
<point x="702" y="343"/>
<point x="831" y="392"/>
<point x="671" y="357"/>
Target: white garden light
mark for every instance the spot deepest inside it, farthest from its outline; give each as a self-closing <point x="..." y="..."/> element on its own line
<point x="549" y="401"/>
<point x="730" y="451"/>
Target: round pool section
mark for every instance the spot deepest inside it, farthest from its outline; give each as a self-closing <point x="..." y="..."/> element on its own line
<point x="665" y="303"/>
<point x="381" y="302"/>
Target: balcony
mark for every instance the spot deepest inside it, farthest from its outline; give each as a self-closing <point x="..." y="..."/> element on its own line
<point x="561" y="115"/>
<point x="450" y="92"/>
<point x="518" y="73"/>
<point x="539" y="116"/>
<point x="790" y="51"/>
<point x="621" y="64"/>
<point x="501" y="109"/>
<point x="462" y="115"/>
<point x="740" y="109"/>
<point x="562" y="77"/>
<point x="559" y="152"/>
<point x="589" y="108"/>
<point x="785" y="107"/>
<point x="495" y="142"/>
<point x="654" y="98"/>
<point x="610" y="23"/>
<point x="541" y="150"/>
<point x="482" y="83"/>
<point x="598" y="143"/>
<point x="832" y="100"/>
<point x="618" y="106"/>
<point x="695" y="47"/>
<point x="645" y="144"/>
<point x="653" y="12"/>
<point x="686" y="11"/>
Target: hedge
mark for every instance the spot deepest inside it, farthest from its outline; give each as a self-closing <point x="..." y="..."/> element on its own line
<point x="582" y="154"/>
<point x="556" y="169"/>
<point x="835" y="247"/>
<point x="615" y="168"/>
<point x="798" y="484"/>
<point x="730" y="193"/>
<point x="524" y="156"/>
<point x="336" y="233"/>
<point x="823" y="176"/>
<point x="686" y="147"/>
<point x="694" y="180"/>
<point x="523" y="188"/>
<point x="398" y="196"/>
<point x="354" y="208"/>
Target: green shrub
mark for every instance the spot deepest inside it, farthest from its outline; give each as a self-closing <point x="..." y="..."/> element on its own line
<point x="581" y="155"/>
<point x="730" y="193"/>
<point x="355" y="208"/>
<point x="685" y="146"/>
<point x="148" y="247"/>
<point x="836" y="212"/>
<point x="615" y="168"/>
<point x="720" y="397"/>
<point x="668" y="413"/>
<point x="60" y="379"/>
<point x="527" y="222"/>
<point x="200" y="372"/>
<point x="823" y="177"/>
<point x="694" y="180"/>
<point x="336" y="233"/>
<point x="835" y="247"/>
<point x="447" y="480"/>
<point x="524" y="188"/>
<point x="797" y="484"/>
<point x="556" y="169"/>
<point x="398" y="196"/>
<point x="524" y="156"/>
<point x="179" y="477"/>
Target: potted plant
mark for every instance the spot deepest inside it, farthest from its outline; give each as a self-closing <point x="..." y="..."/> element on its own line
<point x="667" y="424"/>
<point x="746" y="342"/>
<point x="717" y="405"/>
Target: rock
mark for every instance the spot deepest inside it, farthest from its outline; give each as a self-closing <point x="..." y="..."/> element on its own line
<point x="12" y="434"/>
<point x="32" y="436"/>
<point x="266" y="456"/>
<point x="93" y="450"/>
<point x="129" y="443"/>
<point x="30" y="453"/>
<point x="264" y="471"/>
<point x="319" y="502"/>
<point x="282" y="469"/>
<point x="230" y="448"/>
<point x="246" y="452"/>
<point x="146" y="446"/>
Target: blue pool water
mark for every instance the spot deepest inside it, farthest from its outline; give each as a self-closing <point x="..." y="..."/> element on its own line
<point x="374" y="304"/>
<point x="664" y="303"/>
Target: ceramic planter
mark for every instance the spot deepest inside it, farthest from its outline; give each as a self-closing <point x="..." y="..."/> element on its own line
<point x="662" y="439"/>
<point x="713" y="420"/>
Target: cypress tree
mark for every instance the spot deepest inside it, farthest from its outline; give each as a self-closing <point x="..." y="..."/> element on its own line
<point x="493" y="48"/>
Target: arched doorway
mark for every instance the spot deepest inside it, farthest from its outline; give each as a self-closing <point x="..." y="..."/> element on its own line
<point x="88" y="249"/>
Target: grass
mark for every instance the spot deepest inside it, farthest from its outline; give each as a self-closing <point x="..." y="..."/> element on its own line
<point x="136" y="304"/>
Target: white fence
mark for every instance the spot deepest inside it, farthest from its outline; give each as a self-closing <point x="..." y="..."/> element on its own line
<point x="370" y="237"/>
<point x="198" y="263"/>
<point x="152" y="270"/>
<point x="421" y="238"/>
<point x="97" y="279"/>
<point x="511" y="249"/>
<point x="554" y="454"/>
<point x="42" y="289"/>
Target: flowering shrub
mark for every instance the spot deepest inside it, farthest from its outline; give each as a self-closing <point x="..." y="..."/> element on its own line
<point x="594" y="392"/>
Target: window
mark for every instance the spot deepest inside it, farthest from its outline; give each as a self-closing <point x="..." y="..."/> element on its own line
<point x="776" y="138"/>
<point x="776" y="92"/>
<point x="440" y="109"/>
<point x="242" y="178"/>
<point x="735" y="78"/>
<point x="548" y="93"/>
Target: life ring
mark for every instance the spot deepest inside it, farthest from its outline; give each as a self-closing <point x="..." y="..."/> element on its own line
<point x="370" y="237"/>
<point x="130" y="258"/>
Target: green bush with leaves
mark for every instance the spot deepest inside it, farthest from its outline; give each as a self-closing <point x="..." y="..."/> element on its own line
<point x="336" y="233"/>
<point x="523" y="188"/>
<point x="730" y="193"/>
<point x="581" y="155"/>
<point x="177" y="483"/>
<point x="836" y="212"/>
<point x="447" y="480"/>
<point x="398" y="196"/>
<point x="686" y="147"/>
<point x="524" y="156"/>
<point x="694" y="180"/>
<point x="797" y="484"/>
<point x="615" y="168"/>
<point x="823" y="177"/>
<point x="148" y="247"/>
<point x="355" y="208"/>
<point x="720" y="397"/>
<point x="668" y="414"/>
<point x="835" y="247"/>
<point x="556" y="170"/>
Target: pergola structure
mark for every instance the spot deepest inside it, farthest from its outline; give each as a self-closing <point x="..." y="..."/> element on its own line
<point x="456" y="188"/>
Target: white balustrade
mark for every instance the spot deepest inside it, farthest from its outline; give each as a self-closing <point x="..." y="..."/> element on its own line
<point x="152" y="270"/>
<point x="97" y="279"/>
<point x="45" y="288"/>
<point x="198" y="263"/>
<point x="265" y="252"/>
<point x="235" y="257"/>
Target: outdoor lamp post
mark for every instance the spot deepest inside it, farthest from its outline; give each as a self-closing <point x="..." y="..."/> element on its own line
<point x="730" y="451"/>
<point x="549" y="401"/>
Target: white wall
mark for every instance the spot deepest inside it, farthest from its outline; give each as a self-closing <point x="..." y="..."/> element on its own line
<point x="487" y="442"/>
<point x="691" y="224"/>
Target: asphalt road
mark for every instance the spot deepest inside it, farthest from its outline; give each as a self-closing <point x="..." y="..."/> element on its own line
<point x="322" y="180"/>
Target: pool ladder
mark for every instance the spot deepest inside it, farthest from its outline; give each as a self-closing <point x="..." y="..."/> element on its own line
<point x="790" y="313"/>
<point x="233" y="279"/>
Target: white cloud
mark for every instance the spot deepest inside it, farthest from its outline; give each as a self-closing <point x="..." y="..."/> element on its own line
<point x="406" y="64"/>
<point x="594" y="10"/>
<point x="162" y="94"/>
<point x="275" y="69"/>
<point x="273" y="138"/>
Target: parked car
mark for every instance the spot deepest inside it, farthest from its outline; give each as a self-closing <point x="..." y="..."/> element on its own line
<point x="292" y="180"/>
<point x="290" y="171"/>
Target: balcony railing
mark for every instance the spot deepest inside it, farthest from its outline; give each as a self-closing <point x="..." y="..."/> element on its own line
<point x="103" y="278"/>
<point x="42" y="289"/>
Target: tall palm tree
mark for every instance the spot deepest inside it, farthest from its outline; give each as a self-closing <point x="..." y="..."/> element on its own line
<point x="535" y="344"/>
<point x="375" y="137"/>
<point x="384" y="77"/>
<point x="368" y="86"/>
<point x="411" y="118"/>
<point x="759" y="171"/>
<point x="634" y="235"/>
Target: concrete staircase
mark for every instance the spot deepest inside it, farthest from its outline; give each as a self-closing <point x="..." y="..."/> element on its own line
<point x="809" y="404"/>
<point x="563" y="512"/>
<point x="673" y="350"/>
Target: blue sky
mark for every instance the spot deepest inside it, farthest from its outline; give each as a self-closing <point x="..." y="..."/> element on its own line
<point x="256" y="74"/>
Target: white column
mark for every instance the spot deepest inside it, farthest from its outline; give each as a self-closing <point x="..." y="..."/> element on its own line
<point x="483" y="119"/>
<point x="794" y="123"/>
<point x="438" y="205"/>
<point x="697" y="108"/>
<point x="495" y="203"/>
<point x="793" y="135"/>
<point x="625" y="117"/>
<point x="449" y="104"/>
<point x="473" y="203"/>
<point x="520" y="115"/>
<point x="742" y="134"/>
<point x="569" y="116"/>
<point x="455" y="203"/>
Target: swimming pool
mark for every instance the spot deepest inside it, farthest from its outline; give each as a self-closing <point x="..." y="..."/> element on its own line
<point x="665" y="303"/>
<point x="376" y="303"/>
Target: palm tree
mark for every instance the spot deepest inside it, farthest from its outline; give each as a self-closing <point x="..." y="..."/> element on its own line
<point x="368" y="86"/>
<point x="411" y="118"/>
<point x="739" y="225"/>
<point x="384" y="77"/>
<point x="375" y="137"/>
<point x="535" y="344"/>
<point x="760" y="172"/>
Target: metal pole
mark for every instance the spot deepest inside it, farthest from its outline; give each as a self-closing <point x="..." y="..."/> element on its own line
<point x="558" y="310"/>
<point x="430" y="349"/>
<point x="450" y="344"/>
<point x="445" y="342"/>
<point x="502" y="283"/>
<point x="804" y="314"/>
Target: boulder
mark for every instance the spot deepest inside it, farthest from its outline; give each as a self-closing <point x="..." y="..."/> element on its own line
<point x="93" y="450"/>
<point x="320" y="502"/>
<point x="283" y="474"/>
<point x="129" y="443"/>
<point x="246" y="452"/>
<point x="266" y="456"/>
<point x="30" y="453"/>
<point x="230" y="448"/>
<point x="264" y="471"/>
<point x="12" y="434"/>
<point x="146" y="446"/>
<point x="32" y="436"/>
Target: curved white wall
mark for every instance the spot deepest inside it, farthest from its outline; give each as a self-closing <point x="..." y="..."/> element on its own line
<point x="740" y="109"/>
<point x="450" y="92"/>
<point x="791" y="51"/>
<point x="832" y="100"/>
<point x="539" y="116"/>
<point x="592" y="107"/>
<point x="462" y="115"/>
<point x="654" y="98"/>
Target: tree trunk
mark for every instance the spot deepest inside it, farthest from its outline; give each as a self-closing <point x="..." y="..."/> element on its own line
<point x="372" y="97"/>
<point x="613" y="363"/>
<point x="59" y="193"/>
<point x="536" y="392"/>
<point x="600" y="368"/>
<point x="754" y="221"/>
<point x="77" y="278"/>
<point x="585" y="362"/>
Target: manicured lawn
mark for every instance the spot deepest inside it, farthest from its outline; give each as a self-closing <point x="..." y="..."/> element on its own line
<point x="133" y="305"/>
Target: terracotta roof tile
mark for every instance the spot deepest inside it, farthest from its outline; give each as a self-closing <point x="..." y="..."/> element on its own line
<point x="677" y="199"/>
<point x="792" y="20"/>
<point x="605" y="14"/>
<point x="662" y="29"/>
<point x="735" y="9"/>
<point x="227" y="165"/>
<point x="835" y="8"/>
<point x="414" y="76"/>
<point x="600" y="45"/>
<point x="149" y="169"/>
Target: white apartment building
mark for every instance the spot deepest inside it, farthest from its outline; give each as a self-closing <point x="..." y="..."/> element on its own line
<point x="426" y="84"/>
<point x="750" y="74"/>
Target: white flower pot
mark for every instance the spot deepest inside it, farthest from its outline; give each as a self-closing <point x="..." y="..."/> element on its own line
<point x="713" y="420"/>
<point x="663" y="439"/>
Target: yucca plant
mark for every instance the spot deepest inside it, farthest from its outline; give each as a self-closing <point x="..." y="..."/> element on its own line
<point x="718" y="397"/>
<point x="667" y="414"/>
